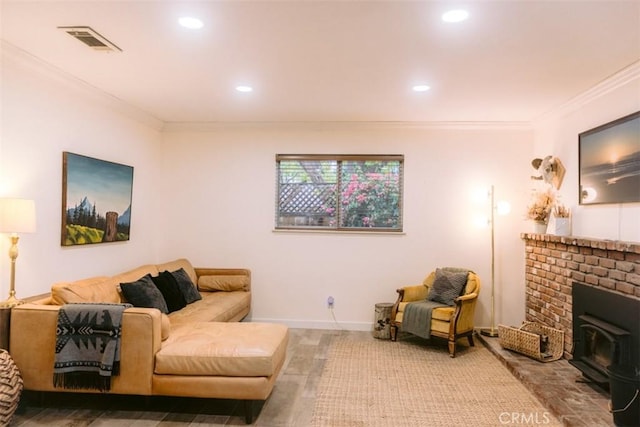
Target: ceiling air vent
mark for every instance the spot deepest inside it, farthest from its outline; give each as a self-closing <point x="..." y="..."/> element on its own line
<point x="91" y="38"/>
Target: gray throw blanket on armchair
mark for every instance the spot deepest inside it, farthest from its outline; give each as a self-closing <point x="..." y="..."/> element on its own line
<point x="88" y="345"/>
<point x="417" y="317"/>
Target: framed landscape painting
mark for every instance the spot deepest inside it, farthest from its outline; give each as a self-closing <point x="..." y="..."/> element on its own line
<point x="96" y="200"/>
<point x="609" y="158"/>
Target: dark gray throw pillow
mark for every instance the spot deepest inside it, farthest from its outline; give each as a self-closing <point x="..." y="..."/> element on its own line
<point x="172" y="294"/>
<point x="447" y="285"/>
<point x="188" y="289"/>
<point x="144" y="293"/>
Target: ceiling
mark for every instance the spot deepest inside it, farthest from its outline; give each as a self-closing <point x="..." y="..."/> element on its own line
<point x="307" y="60"/>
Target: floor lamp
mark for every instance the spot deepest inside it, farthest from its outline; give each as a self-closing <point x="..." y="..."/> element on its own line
<point x="16" y="216"/>
<point x="501" y="208"/>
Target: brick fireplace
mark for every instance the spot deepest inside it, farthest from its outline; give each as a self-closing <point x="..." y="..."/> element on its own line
<point x="554" y="263"/>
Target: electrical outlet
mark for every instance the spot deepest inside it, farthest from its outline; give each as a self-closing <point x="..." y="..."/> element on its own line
<point x="330" y="302"/>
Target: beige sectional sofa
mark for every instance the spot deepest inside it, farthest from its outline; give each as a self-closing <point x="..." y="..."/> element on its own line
<point x="201" y="350"/>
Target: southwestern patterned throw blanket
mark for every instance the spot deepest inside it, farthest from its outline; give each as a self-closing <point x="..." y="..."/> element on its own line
<point x="88" y="345"/>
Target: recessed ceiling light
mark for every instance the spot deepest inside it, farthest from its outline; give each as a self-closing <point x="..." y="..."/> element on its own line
<point x="244" y="88"/>
<point x="191" y="23"/>
<point x="421" y="88"/>
<point x="457" y="15"/>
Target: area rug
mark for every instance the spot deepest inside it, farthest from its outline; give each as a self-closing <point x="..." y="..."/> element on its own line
<point x="369" y="382"/>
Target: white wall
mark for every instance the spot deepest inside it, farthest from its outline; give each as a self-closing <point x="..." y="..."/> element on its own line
<point x="558" y="135"/>
<point x="219" y="211"/>
<point x="209" y="195"/>
<point x="44" y="114"/>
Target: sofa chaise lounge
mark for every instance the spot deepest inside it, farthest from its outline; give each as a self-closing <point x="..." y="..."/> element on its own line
<point x="201" y="350"/>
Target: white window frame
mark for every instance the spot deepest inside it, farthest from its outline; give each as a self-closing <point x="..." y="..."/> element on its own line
<point x="390" y="183"/>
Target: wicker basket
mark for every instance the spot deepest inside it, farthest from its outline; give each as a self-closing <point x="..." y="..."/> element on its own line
<point x="529" y="339"/>
<point x="10" y="387"/>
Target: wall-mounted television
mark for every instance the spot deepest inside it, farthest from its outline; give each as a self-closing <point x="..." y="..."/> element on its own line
<point x="609" y="162"/>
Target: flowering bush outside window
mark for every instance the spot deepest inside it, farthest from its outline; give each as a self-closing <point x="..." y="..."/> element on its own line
<point x="370" y="199"/>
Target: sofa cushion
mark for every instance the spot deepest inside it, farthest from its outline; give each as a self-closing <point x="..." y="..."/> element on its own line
<point x="165" y="327"/>
<point x="447" y="286"/>
<point x="214" y="307"/>
<point x="97" y="289"/>
<point x="186" y="285"/>
<point x="223" y="283"/>
<point x="224" y="349"/>
<point x="178" y="264"/>
<point x="168" y="286"/>
<point x="136" y="273"/>
<point x="94" y="289"/>
<point x="143" y="293"/>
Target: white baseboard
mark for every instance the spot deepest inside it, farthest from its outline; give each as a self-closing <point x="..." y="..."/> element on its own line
<point x="318" y="324"/>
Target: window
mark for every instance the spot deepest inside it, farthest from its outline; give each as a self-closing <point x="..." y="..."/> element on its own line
<point x="339" y="192"/>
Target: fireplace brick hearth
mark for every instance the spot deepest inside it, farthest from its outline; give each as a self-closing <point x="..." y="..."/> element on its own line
<point x="553" y="263"/>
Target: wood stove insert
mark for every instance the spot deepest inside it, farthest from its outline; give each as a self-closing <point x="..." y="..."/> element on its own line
<point x="606" y="331"/>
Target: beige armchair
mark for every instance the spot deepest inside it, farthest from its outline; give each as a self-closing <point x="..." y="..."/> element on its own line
<point x="452" y="322"/>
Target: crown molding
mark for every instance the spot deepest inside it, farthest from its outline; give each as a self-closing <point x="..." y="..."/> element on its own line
<point x="619" y="79"/>
<point x="12" y="53"/>
<point x="350" y="126"/>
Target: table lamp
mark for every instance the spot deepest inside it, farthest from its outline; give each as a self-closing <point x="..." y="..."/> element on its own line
<point x="16" y="216"/>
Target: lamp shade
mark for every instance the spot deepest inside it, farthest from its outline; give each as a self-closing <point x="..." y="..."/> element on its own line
<point x="17" y="216"/>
